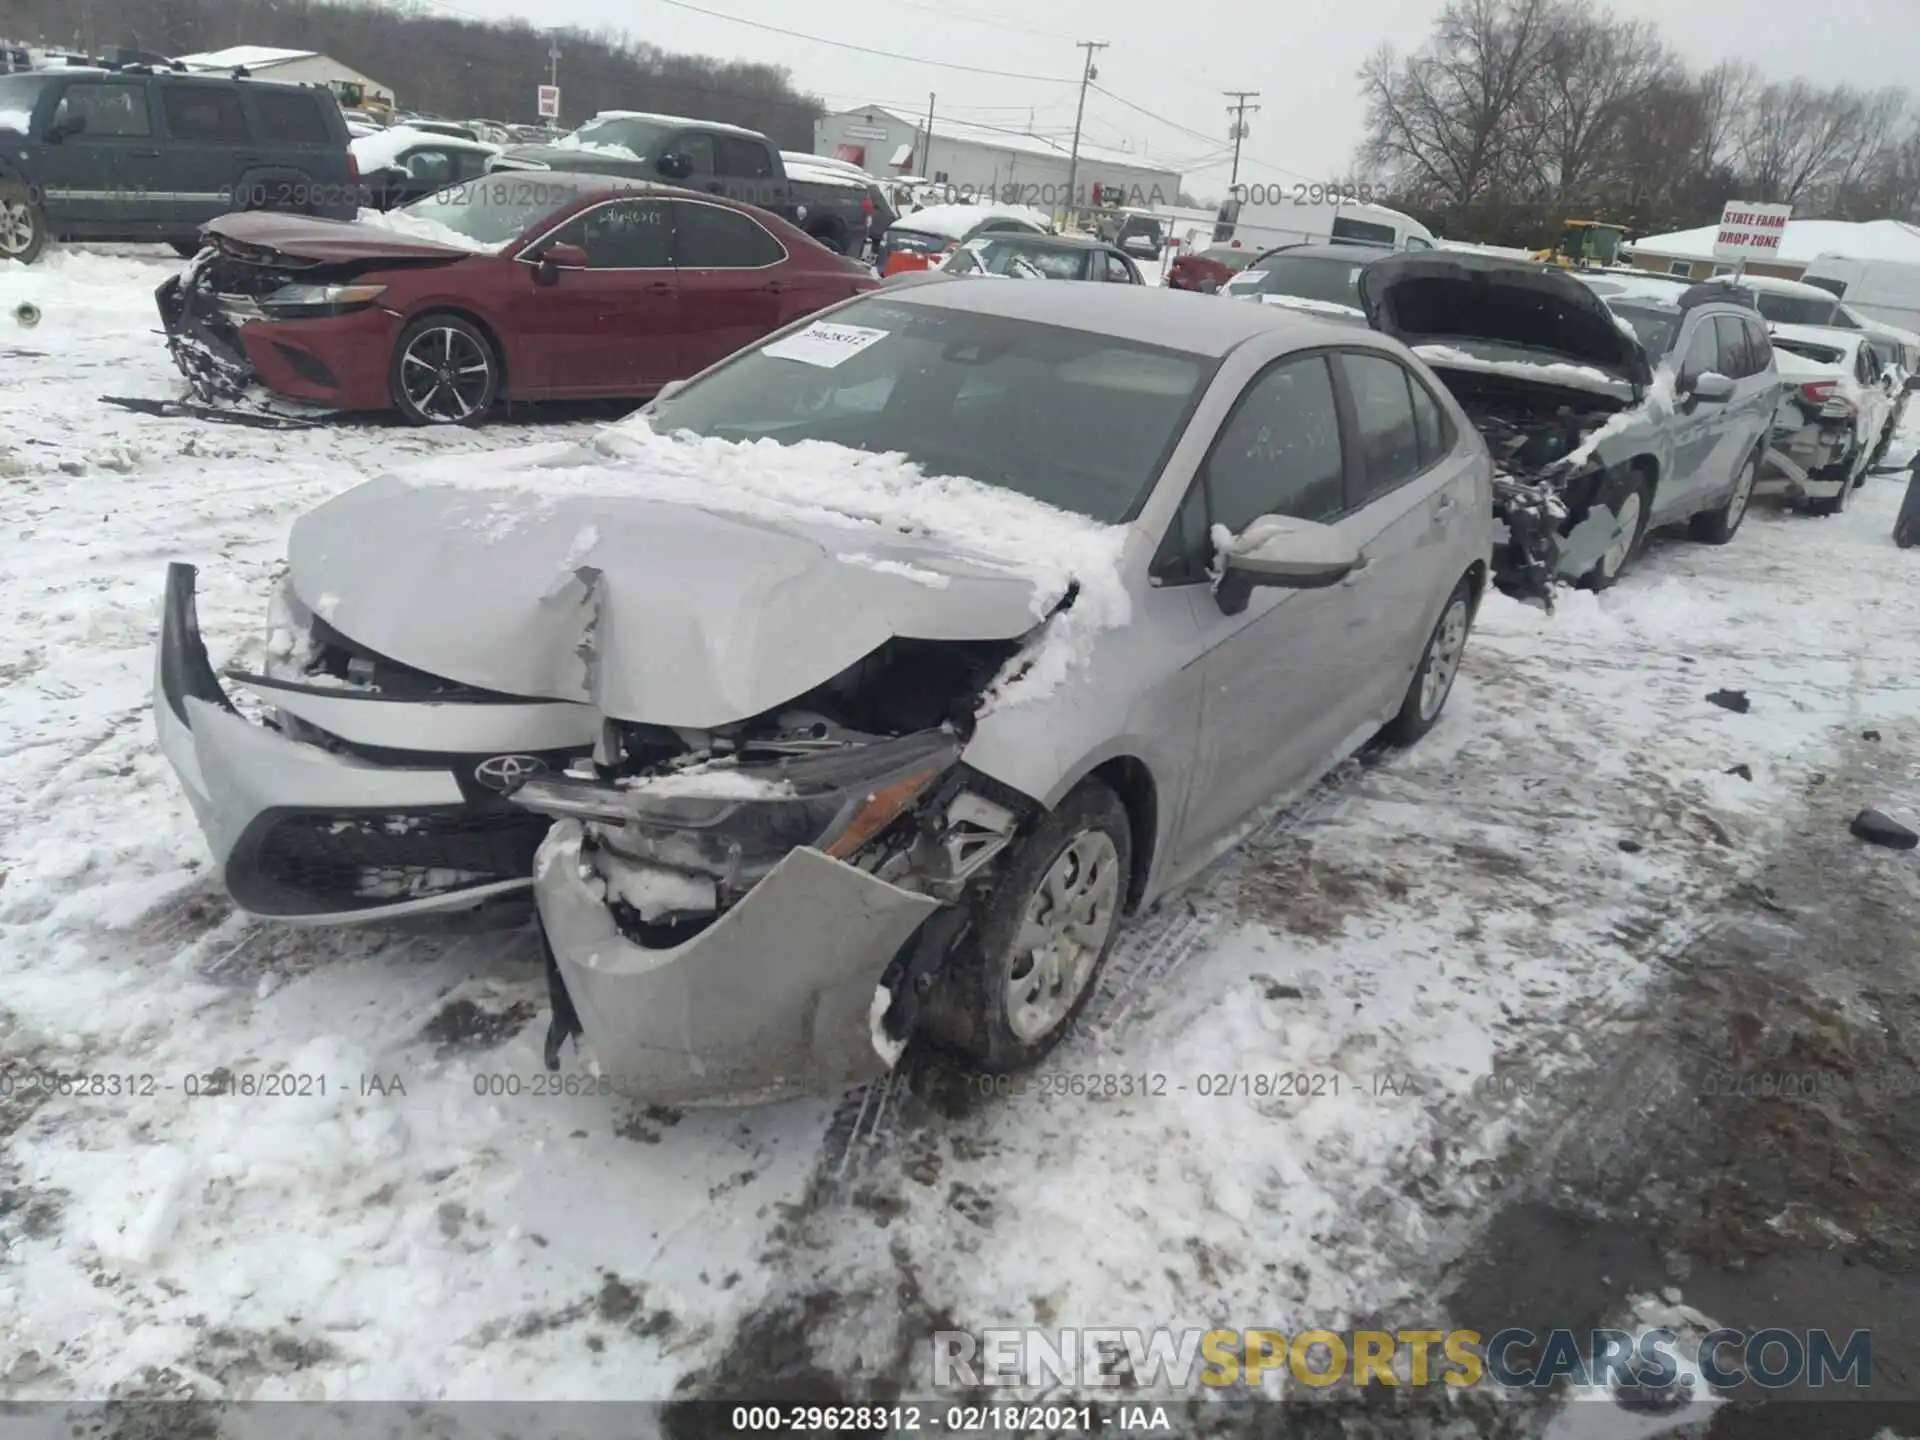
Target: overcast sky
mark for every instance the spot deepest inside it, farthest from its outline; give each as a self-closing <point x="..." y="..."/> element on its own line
<point x="1173" y="59"/>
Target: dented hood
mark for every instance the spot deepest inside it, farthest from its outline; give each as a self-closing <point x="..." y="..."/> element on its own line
<point x="652" y="611"/>
<point x="307" y="237"/>
<point x="1427" y="298"/>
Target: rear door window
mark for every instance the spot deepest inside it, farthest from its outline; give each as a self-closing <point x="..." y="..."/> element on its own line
<point x="1759" y="347"/>
<point x="697" y="146"/>
<point x="740" y="157"/>
<point x="1118" y="270"/>
<point x="107" y="109"/>
<point x="291" y="117"/>
<point x="1383" y="417"/>
<point x="711" y="237"/>
<point x="206" y="113"/>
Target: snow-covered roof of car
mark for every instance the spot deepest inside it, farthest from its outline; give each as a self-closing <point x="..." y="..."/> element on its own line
<point x="249" y="57"/>
<point x="380" y="149"/>
<point x="823" y="175"/>
<point x="954" y="221"/>
<point x="1774" y="285"/>
<point x="1132" y="312"/>
<point x="719" y="127"/>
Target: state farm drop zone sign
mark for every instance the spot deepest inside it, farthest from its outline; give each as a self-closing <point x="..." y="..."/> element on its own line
<point x="1750" y="232"/>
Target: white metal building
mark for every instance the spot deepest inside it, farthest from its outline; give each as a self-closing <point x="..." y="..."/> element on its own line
<point x="1015" y="168"/>
<point x="292" y="66"/>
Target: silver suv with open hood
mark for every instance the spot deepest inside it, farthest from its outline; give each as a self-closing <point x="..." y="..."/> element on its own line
<point x="866" y="680"/>
<point x="1606" y="418"/>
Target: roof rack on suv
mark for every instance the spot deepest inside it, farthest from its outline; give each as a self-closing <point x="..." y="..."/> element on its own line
<point x="1720" y="290"/>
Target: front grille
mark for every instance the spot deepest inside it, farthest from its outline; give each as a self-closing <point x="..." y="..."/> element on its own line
<point x="294" y="862"/>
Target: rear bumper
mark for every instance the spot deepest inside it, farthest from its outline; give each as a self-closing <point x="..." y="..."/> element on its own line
<point x="775" y="998"/>
<point x="339" y="362"/>
<point x="308" y="834"/>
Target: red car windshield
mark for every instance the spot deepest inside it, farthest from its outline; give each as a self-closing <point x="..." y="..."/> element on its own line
<point x="499" y="208"/>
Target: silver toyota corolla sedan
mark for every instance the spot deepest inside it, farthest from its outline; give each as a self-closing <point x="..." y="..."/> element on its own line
<point x="866" y="681"/>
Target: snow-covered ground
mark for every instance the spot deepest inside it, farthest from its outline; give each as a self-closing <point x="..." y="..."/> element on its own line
<point x="1492" y="898"/>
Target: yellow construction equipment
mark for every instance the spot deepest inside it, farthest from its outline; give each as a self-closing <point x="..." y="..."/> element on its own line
<point x="1584" y="244"/>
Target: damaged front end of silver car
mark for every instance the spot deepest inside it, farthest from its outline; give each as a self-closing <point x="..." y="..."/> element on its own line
<point x="738" y="915"/>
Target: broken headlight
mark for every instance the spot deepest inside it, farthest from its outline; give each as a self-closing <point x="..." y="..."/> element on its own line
<point x="736" y="821"/>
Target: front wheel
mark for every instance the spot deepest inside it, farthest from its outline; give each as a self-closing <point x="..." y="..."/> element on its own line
<point x="445" y="371"/>
<point x="1040" y="936"/>
<point x="1717" y="527"/>
<point x="23" y="229"/>
<point x="1625" y="494"/>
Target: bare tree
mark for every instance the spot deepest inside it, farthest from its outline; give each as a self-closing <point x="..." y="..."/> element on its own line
<point x="1794" y="135"/>
<point x="1439" y="121"/>
<point x="1594" y="74"/>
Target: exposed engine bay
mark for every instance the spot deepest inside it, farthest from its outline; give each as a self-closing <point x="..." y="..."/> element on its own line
<point x="1543" y="485"/>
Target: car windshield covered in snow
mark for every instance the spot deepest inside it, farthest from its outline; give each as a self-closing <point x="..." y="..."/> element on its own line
<point x="644" y="138"/>
<point x="1308" y="277"/>
<point x="1081" y="421"/>
<point x="496" y="209"/>
<point x="1654" y="325"/>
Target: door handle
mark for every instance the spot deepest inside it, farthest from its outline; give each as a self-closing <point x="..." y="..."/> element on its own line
<point x="1358" y="572"/>
<point x="1443" y="505"/>
<point x="144" y="154"/>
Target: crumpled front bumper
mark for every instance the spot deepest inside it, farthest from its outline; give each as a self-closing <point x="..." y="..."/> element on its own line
<point x="306" y="835"/>
<point x="202" y="338"/>
<point x="775" y="998"/>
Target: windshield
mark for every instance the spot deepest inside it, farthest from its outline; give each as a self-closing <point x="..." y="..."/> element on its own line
<point x="497" y="209"/>
<point x="17" y="96"/>
<point x="1335" y="282"/>
<point x="1654" y="327"/>
<point x="640" y="138"/>
<point x="1077" y="420"/>
<point x="1794" y="309"/>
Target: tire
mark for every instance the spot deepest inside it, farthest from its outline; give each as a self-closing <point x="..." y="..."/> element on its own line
<point x="1087" y="839"/>
<point x="1717" y="527"/>
<point x="23" y="226"/>
<point x="1625" y="491"/>
<point x="1439" y="666"/>
<point x="185" y="249"/>
<point x="447" y="347"/>
<point x="833" y="235"/>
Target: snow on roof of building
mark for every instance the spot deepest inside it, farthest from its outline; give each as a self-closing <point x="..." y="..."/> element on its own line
<point x="1802" y="242"/>
<point x="1019" y="142"/>
<point x="251" y="57"/>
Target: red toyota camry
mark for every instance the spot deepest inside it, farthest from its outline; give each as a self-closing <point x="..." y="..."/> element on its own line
<point x="517" y="286"/>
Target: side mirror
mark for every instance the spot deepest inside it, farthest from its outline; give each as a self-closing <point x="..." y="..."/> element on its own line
<point x="557" y="257"/>
<point x="1713" y="388"/>
<point x="675" y="165"/>
<point x="668" y="390"/>
<point x="1280" y="552"/>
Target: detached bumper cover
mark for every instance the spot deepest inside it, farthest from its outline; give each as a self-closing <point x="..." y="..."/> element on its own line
<point x="774" y="999"/>
<point x="304" y="834"/>
<point x="202" y="337"/>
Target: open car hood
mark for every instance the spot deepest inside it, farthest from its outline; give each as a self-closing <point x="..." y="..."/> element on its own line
<point x="1430" y="298"/>
<point x="652" y="611"/>
<point x="304" y="237"/>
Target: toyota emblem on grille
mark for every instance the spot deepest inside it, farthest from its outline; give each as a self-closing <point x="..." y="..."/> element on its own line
<point x="506" y="773"/>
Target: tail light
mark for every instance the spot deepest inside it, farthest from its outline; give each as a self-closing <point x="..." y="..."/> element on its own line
<point x="866" y="205"/>
<point x="1818" y="391"/>
<point x="353" y="168"/>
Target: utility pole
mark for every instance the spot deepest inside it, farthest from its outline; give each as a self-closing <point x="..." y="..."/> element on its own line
<point x="553" y="77"/>
<point x="1086" y="78"/>
<point x="927" y="159"/>
<point x="1239" y="112"/>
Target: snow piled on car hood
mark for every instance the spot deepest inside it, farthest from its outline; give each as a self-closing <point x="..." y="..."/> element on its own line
<point x="687" y="581"/>
<point x="418" y="227"/>
<point x="1511" y="360"/>
<point x="1312" y="307"/>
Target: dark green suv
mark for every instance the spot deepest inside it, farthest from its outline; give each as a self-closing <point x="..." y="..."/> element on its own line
<point x="137" y="154"/>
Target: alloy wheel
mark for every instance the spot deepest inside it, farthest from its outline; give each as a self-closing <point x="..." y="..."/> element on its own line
<point x="1069" y="918"/>
<point x="16" y="227"/>
<point x="1443" y="658"/>
<point x="446" y="374"/>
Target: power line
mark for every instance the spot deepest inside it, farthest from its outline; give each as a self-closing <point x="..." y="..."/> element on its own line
<point x="865" y="49"/>
<point x="1171" y="124"/>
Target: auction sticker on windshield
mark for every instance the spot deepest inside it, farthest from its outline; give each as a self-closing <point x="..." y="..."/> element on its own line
<point x="824" y="344"/>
